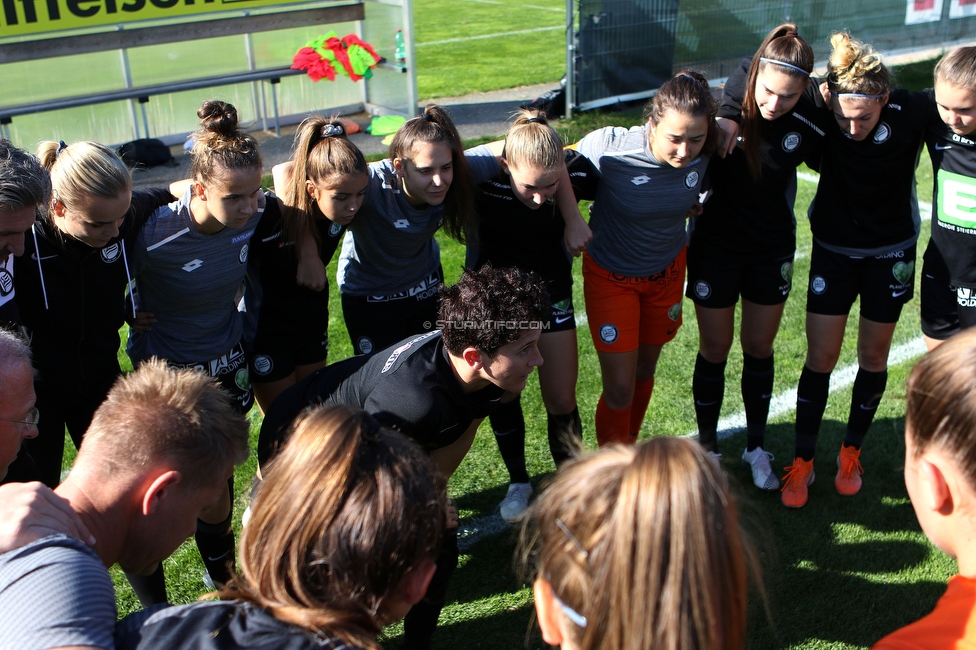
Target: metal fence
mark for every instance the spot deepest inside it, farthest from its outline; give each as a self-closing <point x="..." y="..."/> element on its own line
<point x="621" y="50"/>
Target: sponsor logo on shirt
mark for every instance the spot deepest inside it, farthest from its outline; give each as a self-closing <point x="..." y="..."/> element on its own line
<point x="964" y="297"/>
<point x="691" y="180"/>
<point x="193" y="265"/>
<point x="111" y="253"/>
<point x="818" y="285"/>
<point x="640" y="180"/>
<point x="962" y="140"/>
<point x="675" y="312"/>
<point x="904" y="272"/>
<point x="786" y="271"/>
<point x="957" y="199"/>
<point x="608" y="333"/>
<point x="791" y="141"/>
<point x="882" y="134"/>
<point x="401" y="223"/>
<point x="891" y="255"/>
<point x="242" y="237"/>
<point x="243" y="379"/>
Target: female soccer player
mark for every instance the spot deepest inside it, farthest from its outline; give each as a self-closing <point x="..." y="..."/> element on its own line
<point x="324" y="192"/>
<point x="744" y="241"/>
<point x="191" y="257"/>
<point x="940" y="451"/>
<point x="71" y="284"/>
<point x="639" y="547"/>
<point x="948" y="284"/>
<point x="633" y="271"/>
<point x="342" y="540"/>
<point x="865" y="223"/>
<point x="521" y="199"/>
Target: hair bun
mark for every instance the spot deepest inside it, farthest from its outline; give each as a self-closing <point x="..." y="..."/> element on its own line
<point x="218" y="117"/>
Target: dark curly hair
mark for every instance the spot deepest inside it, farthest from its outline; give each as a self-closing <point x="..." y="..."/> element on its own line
<point x="490" y="307"/>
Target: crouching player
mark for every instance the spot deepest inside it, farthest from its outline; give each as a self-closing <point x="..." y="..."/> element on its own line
<point x="436" y="388"/>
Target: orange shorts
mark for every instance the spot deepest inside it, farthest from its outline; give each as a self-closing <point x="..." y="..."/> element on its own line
<point x="624" y="311"/>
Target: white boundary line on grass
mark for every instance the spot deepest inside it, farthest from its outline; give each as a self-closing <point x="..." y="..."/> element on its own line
<point x="484" y="36"/>
<point x="506" y="4"/>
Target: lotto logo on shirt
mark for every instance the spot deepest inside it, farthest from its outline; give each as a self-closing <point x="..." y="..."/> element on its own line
<point x="957" y="199"/>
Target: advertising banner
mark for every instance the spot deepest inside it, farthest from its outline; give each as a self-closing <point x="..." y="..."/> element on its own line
<point x="23" y="17"/>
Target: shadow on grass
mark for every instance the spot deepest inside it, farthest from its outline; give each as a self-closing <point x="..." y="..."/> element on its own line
<point x="841" y="569"/>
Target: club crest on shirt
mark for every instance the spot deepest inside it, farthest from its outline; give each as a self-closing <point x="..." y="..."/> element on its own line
<point x="791" y="141"/>
<point x="6" y="282"/>
<point x="335" y="229"/>
<point x="691" y="180"/>
<point x="262" y="364"/>
<point x="882" y="134"/>
<point x="111" y="253"/>
<point x="702" y="289"/>
<point x="243" y="254"/>
<point x="608" y="333"/>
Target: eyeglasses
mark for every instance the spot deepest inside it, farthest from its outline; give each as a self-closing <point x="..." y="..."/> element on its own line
<point x="33" y="416"/>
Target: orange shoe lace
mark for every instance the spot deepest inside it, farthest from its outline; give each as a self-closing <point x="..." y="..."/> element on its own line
<point x="850" y="462"/>
<point x="796" y="475"/>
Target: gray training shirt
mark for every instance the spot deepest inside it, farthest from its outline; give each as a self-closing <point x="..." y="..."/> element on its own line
<point x="389" y="246"/>
<point x="190" y="282"/>
<point x="638" y="217"/>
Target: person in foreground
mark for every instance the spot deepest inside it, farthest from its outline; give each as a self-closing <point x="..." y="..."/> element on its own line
<point x="157" y="455"/>
<point x="940" y="475"/>
<point x="631" y="526"/>
<point x="344" y="530"/>
<point x="436" y="388"/>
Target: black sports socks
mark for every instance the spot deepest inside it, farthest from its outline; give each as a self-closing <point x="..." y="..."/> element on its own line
<point x="565" y="435"/>
<point x="508" y="423"/>
<point x="708" y="388"/>
<point x="811" y="401"/>
<point x="868" y="389"/>
<point x="757" y="390"/>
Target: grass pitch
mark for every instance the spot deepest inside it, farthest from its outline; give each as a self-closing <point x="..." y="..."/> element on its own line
<point x="840" y="573"/>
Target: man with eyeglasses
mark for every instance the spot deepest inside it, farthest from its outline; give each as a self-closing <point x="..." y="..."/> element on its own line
<point x="28" y="511"/>
<point x="157" y="456"/>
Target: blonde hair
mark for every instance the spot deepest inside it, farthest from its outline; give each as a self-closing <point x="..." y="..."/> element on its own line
<point x="958" y="68"/>
<point x="531" y="142"/>
<point x="854" y="67"/>
<point x="158" y="413"/>
<point x="322" y="155"/>
<point x="219" y="143"/>
<point x="83" y="169"/>
<point x="644" y="542"/>
<point x="941" y="403"/>
<point x="344" y="512"/>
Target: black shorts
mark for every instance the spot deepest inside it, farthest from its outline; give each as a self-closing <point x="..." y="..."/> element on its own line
<point x="716" y="280"/>
<point x="562" y="317"/>
<point x="946" y="309"/>
<point x="231" y="372"/>
<point x="377" y="322"/>
<point x="884" y="283"/>
<point x="280" y="347"/>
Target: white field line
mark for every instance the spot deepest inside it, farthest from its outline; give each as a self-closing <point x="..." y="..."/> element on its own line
<point x="506" y="4"/>
<point x="484" y="36"/>
<point x="839" y="380"/>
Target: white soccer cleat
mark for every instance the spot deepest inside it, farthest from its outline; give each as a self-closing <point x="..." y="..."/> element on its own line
<point x="515" y="502"/>
<point x="762" y="473"/>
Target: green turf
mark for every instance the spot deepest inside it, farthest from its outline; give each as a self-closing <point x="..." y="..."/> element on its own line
<point x="841" y="572"/>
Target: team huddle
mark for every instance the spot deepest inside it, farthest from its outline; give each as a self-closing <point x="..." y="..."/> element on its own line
<point x="349" y="528"/>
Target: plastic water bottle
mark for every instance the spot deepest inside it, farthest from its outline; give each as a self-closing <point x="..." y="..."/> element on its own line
<point x="400" y="47"/>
